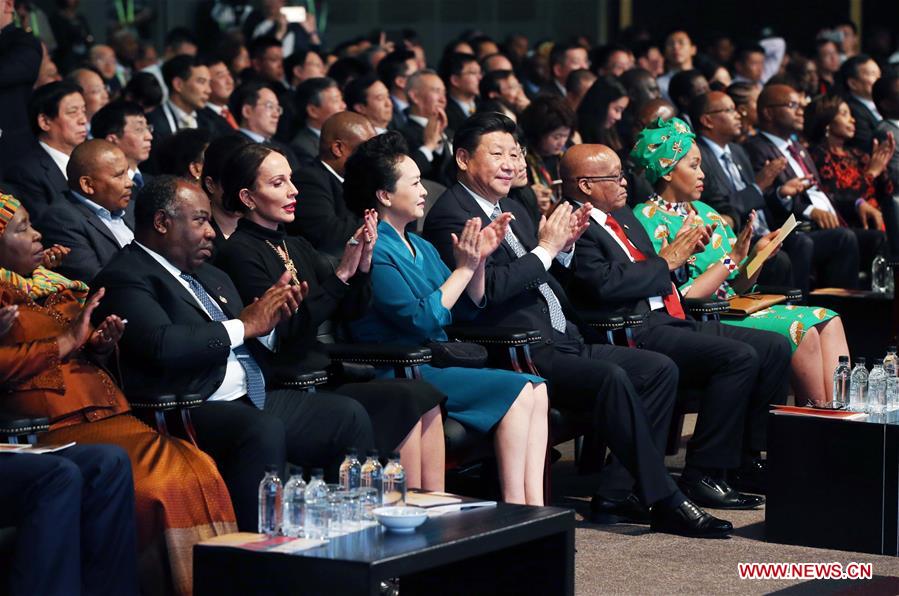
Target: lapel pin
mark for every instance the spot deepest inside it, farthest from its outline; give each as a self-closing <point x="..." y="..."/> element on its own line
<point x="223" y="299"/>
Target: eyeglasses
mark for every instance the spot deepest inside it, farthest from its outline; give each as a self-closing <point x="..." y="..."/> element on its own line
<point x="272" y="107"/>
<point x="723" y="111"/>
<point x="476" y="73"/>
<point x="139" y="130"/>
<point x="613" y="178"/>
<point x="793" y="105"/>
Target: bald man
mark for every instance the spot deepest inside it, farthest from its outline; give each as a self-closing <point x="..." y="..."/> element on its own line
<point x="836" y="251"/>
<point x="740" y="371"/>
<point x="322" y="216"/>
<point x="96" y="218"/>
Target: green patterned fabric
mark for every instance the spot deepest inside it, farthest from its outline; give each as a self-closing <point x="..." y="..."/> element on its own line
<point x="661" y="145"/>
<point x="662" y="220"/>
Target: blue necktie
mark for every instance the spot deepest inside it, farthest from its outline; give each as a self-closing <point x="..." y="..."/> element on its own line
<point x="255" y="380"/>
<point x="138" y="181"/>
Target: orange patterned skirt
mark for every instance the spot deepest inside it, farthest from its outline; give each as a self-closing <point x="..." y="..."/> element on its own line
<point x="180" y="497"/>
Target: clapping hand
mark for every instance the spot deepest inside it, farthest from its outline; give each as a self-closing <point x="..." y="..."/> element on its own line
<point x="688" y="241"/>
<point x="741" y="249"/>
<point x="769" y="172"/>
<point x="275" y="306"/>
<point x="370" y="236"/>
<point x="81" y="329"/>
<point x="54" y="255"/>
<point x="352" y="253"/>
<point x="880" y="156"/>
<point x="492" y="236"/>
<point x="578" y="223"/>
<point x="467" y="245"/>
<point x="107" y="335"/>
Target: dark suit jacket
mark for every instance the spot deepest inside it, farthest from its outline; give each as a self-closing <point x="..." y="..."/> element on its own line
<point x="760" y="149"/>
<point x="884" y="127"/>
<point x="305" y="144"/>
<point x="37" y="181"/>
<point x="865" y="124"/>
<point x="605" y="279"/>
<point x="322" y="216"/>
<point x="442" y="168"/>
<point x="71" y="223"/>
<point x="170" y="344"/>
<point x="399" y="117"/>
<point x="454" y="114"/>
<point x="292" y="159"/>
<point x="719" y="192"/>
<point x="21" y="60"/>
<point x="207" y="119"/>
<point x="513" y="299"/>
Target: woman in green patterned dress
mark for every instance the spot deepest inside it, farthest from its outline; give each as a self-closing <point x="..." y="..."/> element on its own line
<point x="668" y="153"/>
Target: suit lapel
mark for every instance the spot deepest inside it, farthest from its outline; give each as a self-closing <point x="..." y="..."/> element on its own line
<point x="173" y="285"/>
<point x="220" y="294"/>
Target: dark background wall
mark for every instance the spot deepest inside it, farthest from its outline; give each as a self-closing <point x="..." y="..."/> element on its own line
<point x="438" y="21"/>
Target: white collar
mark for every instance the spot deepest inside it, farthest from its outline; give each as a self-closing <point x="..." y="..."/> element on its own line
<point x="380" y="130"/>
<point x="316" y="131"/>
<point x="717" y="149"/>
<point x="868" y="103"/>
<point x="467" y="106"/>
<point x="97" y="208"/>
<point x="420" y="120"/>
<point x="486" y="206"/>
<point x="253" y="135"/>
<point x="131" y="172"/>
<point x="402" y="105"/>
<point x="166" y="264"/>
<point x="180" y="114"/>
<point x="59" y="158"/>
<point x="561" y="88"/>
<point x="779" y="142"/>
<point x="330" y="169"/>
<point x="215" y="108"/>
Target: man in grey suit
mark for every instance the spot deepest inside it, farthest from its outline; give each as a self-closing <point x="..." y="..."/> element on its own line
<point x="731" y="188"/>
<point x="886" y="97"/>
<point x="96" y="218"/>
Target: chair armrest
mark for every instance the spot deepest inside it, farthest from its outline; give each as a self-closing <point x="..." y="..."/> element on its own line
<point x="704" y="306"/>
<point x="13" y="424"/>
<point x="603" y="321"/>
<point x="494" y="336"/>
<point x="301" y="380"/>
<point x="154" y="403"/>
<point x="792" y="294"/>
<point x="379" y="354"/>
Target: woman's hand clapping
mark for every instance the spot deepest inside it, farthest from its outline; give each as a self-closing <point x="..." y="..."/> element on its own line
<point x="467" y="246"/>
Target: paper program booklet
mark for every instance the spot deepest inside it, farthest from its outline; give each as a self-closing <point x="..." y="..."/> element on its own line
<point x="28" y="448"/>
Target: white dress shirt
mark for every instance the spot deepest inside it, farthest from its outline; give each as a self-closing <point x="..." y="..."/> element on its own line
<point x="253" y="135"/>
<point x="564" y="258"/>
<point x="234" y="385"/>
<point x="468" y="107"/>
<point x="59" y="158"/>
<point x="330" y="169"/>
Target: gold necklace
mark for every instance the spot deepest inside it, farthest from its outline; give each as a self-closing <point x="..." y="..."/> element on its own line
<point x="282" y="253"/>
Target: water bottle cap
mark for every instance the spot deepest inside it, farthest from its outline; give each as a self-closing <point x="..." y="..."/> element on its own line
<point x="271" y="469"/>
<point x="394" y="455"/>
<point x="844" y="358"/>
<point x="860" y="360"/>
<point x="317" y="472"/>
<point x="372" y="453"/>
<point x="891" y="348"/>
<point x="293" y="470"/>
<point x="878" y="362"/>
<point x="352" y="451"/>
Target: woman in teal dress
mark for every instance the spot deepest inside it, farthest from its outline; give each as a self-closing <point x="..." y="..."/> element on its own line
<point x="668" y="153"/>
<point x="415" y="295"/>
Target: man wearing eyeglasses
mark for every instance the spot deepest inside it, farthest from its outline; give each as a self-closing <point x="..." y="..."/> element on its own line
<point x="123" y="124"/>
<point x="257" y="110"/>
<point x="739" y="371"/>
<point x="730" y="186"/>
<point x="836" y="251"/>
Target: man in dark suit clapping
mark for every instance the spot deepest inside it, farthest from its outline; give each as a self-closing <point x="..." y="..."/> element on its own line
<point x="629" y="394"/>
<point x="188" y="332"/>
<point x="740" y="371"/>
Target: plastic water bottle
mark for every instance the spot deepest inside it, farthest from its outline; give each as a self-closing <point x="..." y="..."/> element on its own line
<point x="270" y="494"/>
<point x="350" y="470"/>
<point x="891" y="362"/>
<point x="877" y="388"/>
<point x="294" y="503"/>
<point x="372" y="473"/>
<point x="892" y="393"/>
<point x="394" y="481"/>
<point x="315" y="525"/>
<point x="880" y="275"/>
<point x="858" y="386"/>
<point x="841" y="383"/>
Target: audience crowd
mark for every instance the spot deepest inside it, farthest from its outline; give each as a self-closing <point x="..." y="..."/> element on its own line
<point x="203" y="220"/>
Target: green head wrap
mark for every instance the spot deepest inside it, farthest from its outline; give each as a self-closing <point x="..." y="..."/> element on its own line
<point x="661" y="145"/>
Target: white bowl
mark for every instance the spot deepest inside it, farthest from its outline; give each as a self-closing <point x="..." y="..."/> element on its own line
<point x="401" y="519"/>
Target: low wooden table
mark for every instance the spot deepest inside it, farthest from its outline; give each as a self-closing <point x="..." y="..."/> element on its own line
<point x="502" y="549"/>
<point x="834" y="483"/>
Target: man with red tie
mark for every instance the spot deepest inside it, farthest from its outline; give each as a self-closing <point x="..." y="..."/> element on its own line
<point x="740" y="371"/>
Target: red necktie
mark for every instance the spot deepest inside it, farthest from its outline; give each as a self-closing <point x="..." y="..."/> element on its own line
<point x="671" y="301"/>
<point x="229" y="118"/>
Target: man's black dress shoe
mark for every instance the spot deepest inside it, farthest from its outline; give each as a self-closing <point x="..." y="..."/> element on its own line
<point x="718" y="494"/>
<point x="614" y="511"/>
<point x="751" y="477"/>
<point x="688" y="520"/>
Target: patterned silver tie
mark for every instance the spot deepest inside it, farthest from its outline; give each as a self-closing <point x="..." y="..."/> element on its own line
<point x="760" y="228"/>
<point x="556" y="314"/>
